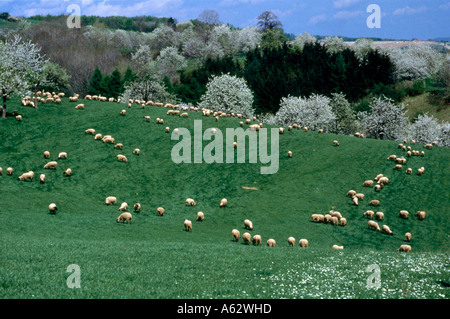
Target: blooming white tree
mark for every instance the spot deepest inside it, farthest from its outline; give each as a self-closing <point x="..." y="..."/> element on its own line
<point x="426" y="129"/>
<point x="148" y="88"/>
<point x="248" y="39"/>
<point x="345" y="120"/>
<point x="163" y="37"/>
<point x="169" y="62"/>
<point x="362" y="47"/>
<point x="303" y="39"/>
<point x="314" y="112"/>
<point x="334" y="44"/>
<point x="20" y="66"/>
<point x="228" y="94"/>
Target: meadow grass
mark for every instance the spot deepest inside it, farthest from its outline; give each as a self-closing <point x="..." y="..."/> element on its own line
<point x="155" y="258"/>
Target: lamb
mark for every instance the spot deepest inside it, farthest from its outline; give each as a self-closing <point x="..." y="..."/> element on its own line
<point x="368" y="183"/>
<point x="337" y="247"/>
<point x="343" y="221"/>
<point x="46" y="154"/>
<point x="90" y="131"/>
<point x="124" y="217"/>
<point x="62" y="155"/>
<point x="137" y="151"/>
<point x="379" y="215"/>
<point x="387" y="230"/>
<point x="248" y="224"/>
<point x="291" y="241"/>
<point x="246" y="237"/>
<point x="318" y="218"/>
<point x="404" y="214"/>
<point x="200" y="216"/>
<point x="9" y="171"/>
<point x="235" y="234"/>
<point x="42" y="178"/>
<point x="190" y="202"/>
<point x="110" y="200"/>
<point x="160" y="211"/>
<point x="404" y="248"/>
<point x="271" y="242"/>
<point x="336" y="143"/>
<point x="68" y="172"/>
<point x="122" y="158"/>
<point x="303" y="242"/>
<point x="374" y="202"/>
<point x="355" y="200"/>
<point x="373" y="225"/>
<point x="187" y="225"/>
<point x="256" y="240"/>
<point x="408" y="237"/>
<point x="26" y="176"/>
<point x="420" y="214"/>
<point x="369" y="213"/>
<point x="137" y="208"/>
<point x="50" y="165"/>
<point x="123" y="207"/>
<point x="223" y="202"/>
<point x="52" y="208"/>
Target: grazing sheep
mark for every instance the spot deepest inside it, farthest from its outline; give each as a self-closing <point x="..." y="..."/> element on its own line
<point x="50" y="165"/>
<point x="52" y="208"/>
<point x="123" y="112"/>
<point x="147" y="118"/>
<point x="246" y="237"/>
<point x="62" y="155"/>
<point x="422" y="153"/>
<point x="190" y="202"/>
<point x="98" y="137"/>
<point x="281" y="130"/>
<point x="336" y="143"/>
<point x="42" y="178"/>
<point x="355" y="200"/>
<point x="223" y="202"/>
<point x="118" y="146"/>
<point x="408" y="237"/>
<point x="420" y="171"/>
<point x="123" y="206"/>
<point x="79" y="107"/>
<point x="374" y="202"/>
<point x="290" y="154"/>
<point x="409" y="171"/>
<point x="420" y="214"/>
<point x="378" y="177"/>
<point x="160" y="211"/>
<point x="137" y="208"/>
<point x="428" y="146"/>
<point x="318" y="218"/>
<point x="383" y="180"/>
<point x="26" y="176"/>
<point x="110" y="200"/>
<point x="360" y="196"/>
<point x="369" y="213"/>
<point x="351" y="193"/>
<point x="398" y="167"/>
<point x="19" y="118"/>
<point x="46" y="154"/>
<point x="387" y="230"/>
<point x="67" y="172"/>
<point x="122" y="158"/>
<point x="137" y="151"/>
<point x="379" y="215"/>
<point x="335" y="214"/>
<point x="327" y="218"/>
<point x="187" y="225"/>
<point x="378" y="187"/>
<point x="9" y="171"/>
<point x="256" y="240"/>
<point x="167" y="129"/>
<point x="254" y="127"/>
<point x="368" y="183"/>
<point x="248" y="224"/>
<point x="124" y="217"/>
<point x="373" y="225"/>
<point x="235" y="234"/>
<point x="334" y="220"/>
<point x="291" y="241"/>
<point x="271" y="242"/>
<point x="404" y="214"/>
<point x="337" y="247"/>
<point x="343" y="221"/>
<point x="392" y="157"/>
<point x="90" y="131"/>
<point x="108" y="139"/>
<point x="303" y="242"/>
<point x="404" y="248"/>
<point x="200" y="216"/>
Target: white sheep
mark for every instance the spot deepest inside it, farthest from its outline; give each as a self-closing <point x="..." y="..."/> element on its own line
<point x="190" y="202"/>
<point x="50" y="165"/>
<point x="351" y="193"/>
<point x="290" y="154"/>
<point x="98" y="137"/>
<point x="124" y="217"/>
<point x="200" y="216"/>
<point x="137" y="151"/>
<point x="137" y="208"/>
<point x="9" y="171"/>
<point x="111" y="200"/>
<point x="223" y="202"/>
<point x="235" y="234"/>
<point x="379" y="215"/>
<point x="368" y="183"/>
<point x="271" y="242"/>
<point x="360" y="196"/>
<point x="160" y="211"/>
<point x="187" y="225"/>
<point x="373" y="225"/>
<point x="281" y="130"/>
<point x="420" y="171"/>
<point x="291" y="241"/>
<point x="256" y="240"/>
<point x="123" y="206"/>
<point x="79" y="107"/>
<point x="336" y="143"/>
<point x="248" y="224"/>
<point x="62" y="155"/>
<point x="337" y="247"/>
<point x="404" y="248"/>
<point x="68" y="172"/>
<point x="404" y="214"/>
<point x="246" y="237"/>
<point x="52" y="208"/>
<point x="369" y="214"/>
<point x="408" y="237"/>
<point x="118" y="146"/>
<point x="26" y="176"/>
<point x="90" y="131"/>
<point x="374" y="202"/>
<point x="343" y="221"/>
<point x="42" y="178"/>
<point x="334" y="220"/>
<point x="303" y="242"/>
<point x="355" y="200"/>
<point x="122" y="158"/>
<point x="387" y="230"/>
<point x="46" y="154"/>
<point x="420" y="214"/>
<point x="318" y="218"/>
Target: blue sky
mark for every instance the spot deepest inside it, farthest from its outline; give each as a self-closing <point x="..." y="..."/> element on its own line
<point x="400" y="19"/>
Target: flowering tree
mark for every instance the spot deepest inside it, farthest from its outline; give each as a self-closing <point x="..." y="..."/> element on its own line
<point x="425" y="129"/>
<point x="303" y="39"/>
<point x="148" y="88"/>
<point x="20" y="66"/>
<point x="169" y="62"/>
<point x="228" y="94"/>
<point x="345" y="120"/>
<point x="335" y="44"/>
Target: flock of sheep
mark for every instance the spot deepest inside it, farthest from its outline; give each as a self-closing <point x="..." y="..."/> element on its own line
<point x="333" y="217"/>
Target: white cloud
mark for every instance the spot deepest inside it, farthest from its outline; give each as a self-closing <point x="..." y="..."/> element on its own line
<point x="409" y="10"/>
<point x="344" y="3"/>
<point x="317" y="19"/>
<point x="347" y="14"/>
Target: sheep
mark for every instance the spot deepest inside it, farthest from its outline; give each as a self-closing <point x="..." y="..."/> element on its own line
<point x="62" y="155"/>
<point x="374" y="202"/>
<point x="379" y="215"/>
<point x="98" y="137"/>
<point x="378" y="177"/>
<point x="383" y="180"/>
<point x="160" y="211"/>
<point x="337" y="247"/>
<point x="343" y="221"/>
<point x="373" y="225"/>
<point x="241" y="124"/>
<point x="334" y="220"/>
<point x="336" y="143"/>
<point x="327" y="218"/>
<point x="428" y="146"/>
<point x="409" y="171"/>
<point x="137" y="208"/>
<point x="167" y="129"/>
<point x="46" y="154"/>
<point x="235" y="234"/>
<point x="42" y="178"/>
<point x="123" y="112"/>
<point x="256" y="240"/>
<point x="124" y="217"/>
<point x="9" y="171"/>
<point x="79" y="107"/>
<point x="122" y="158"/>
<point x="223" y="202"/>
<point x="185" y="114"/>
<point x="368" y="183"/>
<point x="335" y="214"/>
<point x="306" y="129"/>
<point x="351" y="193"/>
<point x="19" y="118"/>
<point x="289" y="153"/>
<point x="398" y="167"/>
<point x="248" y="121"/>
<point x="51" y="165"/>
<point x="147" y="118"/>
<point x="291" y="241"/>
<point x="369" y="214"/>
<point x="360" y="196"/>
<point x="404" y="248"/>
<point x="303" y="242"/>
<point x="355" y="200"/>
<point x="408" y="237"/>
<point x="234" y="144"/>
<point x="321" y="131"/>
<point x="271" y="242"/>
<point x="108" y="139"/>
<point x="26" y="176"/>
<point x="187" y="225"/>
<point x="246" y="237"/>
<point x="90" y="131"/>
<point x="387" y="230"/>
<point x="137" y="151"/>
<point x="118" y="146"/>
<point x="200" y="216"/>
<point x="378" y="187"/>
<point x="392" y="157"/>
<point x="254" y="127"/>
<point x="111" y="200"/>
<point x="404" y="214"/>
<point x="318" y="218"/>
<point x="420" y="171"/>
<point x="422" y="153"/>
<point x="281" y="130"/>
<point x="123" y="207"/>
<point x="52" y="208"/>
<point x="400" y="160"/>
<point x="68" y="172"/>
<point x="248" y="224"/>
<point x="190" y="202"/>
<point x="420" y="214"/>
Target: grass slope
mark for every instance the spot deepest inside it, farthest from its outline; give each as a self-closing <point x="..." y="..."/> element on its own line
<point x="155" y="258"/>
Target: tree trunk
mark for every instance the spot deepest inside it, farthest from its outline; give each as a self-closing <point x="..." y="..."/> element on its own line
<point x="3" y="108"/>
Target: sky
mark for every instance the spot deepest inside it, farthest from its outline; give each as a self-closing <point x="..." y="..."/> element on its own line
<point x="399" y="19"/>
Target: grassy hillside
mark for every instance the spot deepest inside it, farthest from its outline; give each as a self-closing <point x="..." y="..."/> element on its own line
<point x="155" y="258"/>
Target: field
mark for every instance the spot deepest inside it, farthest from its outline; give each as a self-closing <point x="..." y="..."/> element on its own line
<point x="154" y="257"/>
